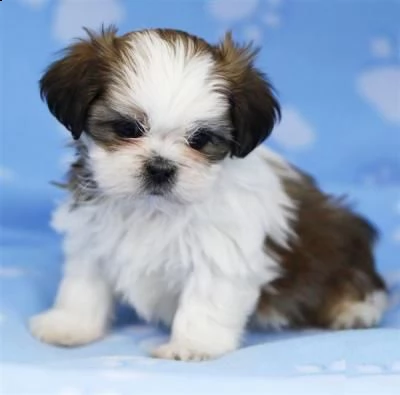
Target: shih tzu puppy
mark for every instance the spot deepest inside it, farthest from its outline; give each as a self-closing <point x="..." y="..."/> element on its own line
<point x="177" y="208"/>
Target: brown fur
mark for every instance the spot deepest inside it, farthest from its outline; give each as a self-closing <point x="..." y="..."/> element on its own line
<point x="101" y="125"/>
<point x="74" y="83"/>
<point x="193" y="44"/>
<point x="254" y="108"/>
<point x="328" y="266"/>
<point x="71" y="84"/>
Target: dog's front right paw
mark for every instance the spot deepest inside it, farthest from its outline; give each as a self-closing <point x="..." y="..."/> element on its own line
<point x="179" y="352"/>
<point x="64" y="328"/>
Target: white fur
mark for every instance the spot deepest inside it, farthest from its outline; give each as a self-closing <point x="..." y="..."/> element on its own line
<point x="174" y="85"/>
<point x="65" y="328"/>
<point x="366" y="313"/>
<point x="176" y="92"/>
<point x="194" y="259"/>
<point x="199" y="266"/>
<point x="82" y="309"/>
<point x="270" y="320"/>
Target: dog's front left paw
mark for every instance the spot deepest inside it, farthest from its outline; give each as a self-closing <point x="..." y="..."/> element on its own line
<point x="180" y="352"/>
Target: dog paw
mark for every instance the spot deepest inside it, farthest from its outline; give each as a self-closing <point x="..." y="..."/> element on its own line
<point x="64" y="328"/>
<point x="179" y="352"/>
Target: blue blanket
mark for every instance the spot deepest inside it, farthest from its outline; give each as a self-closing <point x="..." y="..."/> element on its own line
<point x="320" y="362"/>
<point x="335" y="64"/>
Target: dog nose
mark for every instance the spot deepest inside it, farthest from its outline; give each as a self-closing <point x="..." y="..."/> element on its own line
<point x="160" y="170"/>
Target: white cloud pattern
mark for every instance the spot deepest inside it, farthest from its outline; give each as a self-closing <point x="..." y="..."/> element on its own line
<point x="272" y="19"/>
<point x="396" y="235"/>
<point x="397" y="207"/>
<point x="6" y="174"/>
<point x="231" y="10"/>
<point x="34" y="3"/>
<point x="381" y="89"/>
<point x="294" y="132"/>
<point x="381" y="47"/>
<point x="11" y="272"/>
<point x="253" y="33"/>
<point x="72" y="15"/>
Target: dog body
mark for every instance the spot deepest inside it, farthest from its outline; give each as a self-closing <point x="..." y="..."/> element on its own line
<point x="176" y="208"/>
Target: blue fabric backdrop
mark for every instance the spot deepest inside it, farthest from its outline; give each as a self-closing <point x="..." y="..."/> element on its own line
<point x="336" y="66"/>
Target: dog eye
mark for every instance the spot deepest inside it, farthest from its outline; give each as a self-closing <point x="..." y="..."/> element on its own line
<point x="128" y="129"/>
<point x="200" y="139"/>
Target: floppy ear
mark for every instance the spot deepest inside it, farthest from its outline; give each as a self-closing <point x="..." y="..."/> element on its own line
<point x="72" y="83"/>
<point x="254" y="108"/>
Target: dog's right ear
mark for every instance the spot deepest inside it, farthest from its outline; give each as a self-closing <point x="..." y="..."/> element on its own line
<point x="71" y="84"/>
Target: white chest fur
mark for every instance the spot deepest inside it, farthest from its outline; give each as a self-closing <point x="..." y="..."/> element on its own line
<point x="147" y="250"/>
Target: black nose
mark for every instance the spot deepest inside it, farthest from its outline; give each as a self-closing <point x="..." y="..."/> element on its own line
<point x="160" y="170"/>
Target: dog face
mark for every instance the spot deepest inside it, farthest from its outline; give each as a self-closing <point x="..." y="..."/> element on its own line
<point x="160" y="111"/>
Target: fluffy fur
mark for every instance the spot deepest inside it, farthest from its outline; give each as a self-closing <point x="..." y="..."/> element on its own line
<point x="177" y="209"/>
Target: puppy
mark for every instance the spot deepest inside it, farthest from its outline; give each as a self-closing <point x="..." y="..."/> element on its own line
<point x="176" y="208"/>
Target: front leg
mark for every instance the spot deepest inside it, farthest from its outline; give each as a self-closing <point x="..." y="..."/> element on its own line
<point x="81" y="311"/>
<point x="211" y="317"/>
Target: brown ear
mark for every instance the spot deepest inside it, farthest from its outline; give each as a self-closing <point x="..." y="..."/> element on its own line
<point x="254" y="108"/>
<point x="72" y="83"/>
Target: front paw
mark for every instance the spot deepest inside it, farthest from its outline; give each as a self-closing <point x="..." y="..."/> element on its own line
<point x="180" y="352"/>
<point x="64" y="328"/>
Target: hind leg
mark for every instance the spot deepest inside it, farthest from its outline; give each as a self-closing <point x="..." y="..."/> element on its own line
<point x="365" y="313"/>
<point x="348" y="299"/>
<point x="358" y="302"/>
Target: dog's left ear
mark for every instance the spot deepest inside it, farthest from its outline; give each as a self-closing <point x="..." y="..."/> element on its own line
<point x="254" y="107"/>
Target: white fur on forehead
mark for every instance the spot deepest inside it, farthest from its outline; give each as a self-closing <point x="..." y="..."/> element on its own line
<point x="175" y="86"/>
